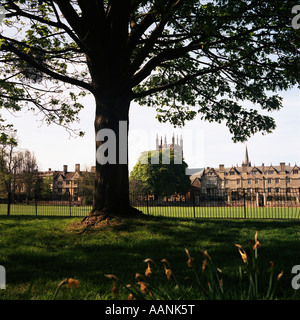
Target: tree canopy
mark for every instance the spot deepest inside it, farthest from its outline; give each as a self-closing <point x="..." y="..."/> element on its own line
<point x="182" y="57"/>
<point x="163" y="179"/>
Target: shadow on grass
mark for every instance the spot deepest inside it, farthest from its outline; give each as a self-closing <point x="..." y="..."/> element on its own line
<point x="45" y="249"/>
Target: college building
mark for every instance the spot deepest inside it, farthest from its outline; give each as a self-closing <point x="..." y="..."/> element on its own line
<point x="64" y="183"/>
<point x="252" y="178"/>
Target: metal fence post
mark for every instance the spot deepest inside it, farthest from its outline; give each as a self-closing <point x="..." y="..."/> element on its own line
<point x="8" y="203"/>
<point x="147" y="202"/>
<point x="245" y="214"/>
<point x="193" y="199"/>
<point x="70" y="205"/>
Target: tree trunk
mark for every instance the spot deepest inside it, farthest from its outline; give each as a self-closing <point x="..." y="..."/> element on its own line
<point x="111" y="192"/>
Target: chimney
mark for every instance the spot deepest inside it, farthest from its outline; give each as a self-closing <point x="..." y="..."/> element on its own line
<point x="244" y="167"/>
<point x="282" y="166"/>
<point x="221" y="167"/>
<point x="65" y="169"/>
<point x="77" y="167"/>
<point x="93" y="169"/>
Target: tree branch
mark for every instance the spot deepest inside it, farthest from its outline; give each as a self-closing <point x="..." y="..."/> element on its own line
<point x="193" y="76"/>
<point x="49" y="22"/>
<point x="10" y="48"/>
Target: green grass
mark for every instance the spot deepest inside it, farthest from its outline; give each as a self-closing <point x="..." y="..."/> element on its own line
<point x="178" y="212"/>
<point x="45" y="210"/>
<point x="225" y="212"/>
<point x="39" y="252"/>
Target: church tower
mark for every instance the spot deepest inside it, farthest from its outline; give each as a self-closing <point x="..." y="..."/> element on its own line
<point x="172" y="146"/>
<point x="246" y="161"/>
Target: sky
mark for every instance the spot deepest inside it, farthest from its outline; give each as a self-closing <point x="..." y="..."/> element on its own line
<point x="204" y="144"/>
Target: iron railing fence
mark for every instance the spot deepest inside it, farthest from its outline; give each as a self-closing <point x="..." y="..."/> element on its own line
<point x="215" y="203"/>
<point x="222" y="203"/>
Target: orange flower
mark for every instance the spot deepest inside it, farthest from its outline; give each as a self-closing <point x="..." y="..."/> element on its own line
<point x="206" y="254"/>
<point x="204" y="264"/>
<point x="111" y="276"/>
<point x="115" y="289"/>
<point x="138" y="275"/>
<point x="130" y="296"/>
<point x="143" y="287"/>
<point x="72" y="283"/>
<point x="242" y="253"/>
<point x="257" y="244"/>
<point x="168" y="273"/>
<point x="221" y="283"/>
<point x="148" y="271"/>
<point x="167" y="270"/>
<point x="279" y="276"/>
<point x="189" y="262"/>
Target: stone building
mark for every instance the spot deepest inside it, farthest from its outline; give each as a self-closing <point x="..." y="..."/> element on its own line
<point x="174" y="146"/>
<point x="269" y="178"/>
<point x="64" y="184"/>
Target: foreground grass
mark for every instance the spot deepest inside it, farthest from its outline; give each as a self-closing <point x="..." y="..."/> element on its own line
<point x="39" y="252"/>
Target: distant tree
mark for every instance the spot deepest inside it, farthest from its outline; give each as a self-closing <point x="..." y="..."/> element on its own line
<point x="29" y="175"/>
<point x="85" y="187"/>
<point x="45" y="189"/>
<point x="10" y="161"/>
<point x="161" y="179"/>
<point x="137" y="186"/>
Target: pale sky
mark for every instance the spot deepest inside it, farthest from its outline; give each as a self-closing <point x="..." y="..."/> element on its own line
<point x="204" y="144"/>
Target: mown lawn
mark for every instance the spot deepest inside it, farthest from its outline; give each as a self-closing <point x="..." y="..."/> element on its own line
<point x="39" y="252"/>
<point x="166" y="211"/>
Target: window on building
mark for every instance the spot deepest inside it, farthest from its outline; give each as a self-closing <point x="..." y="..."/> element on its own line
<point x="254" y="173"/>
<point x="295" y="171"/>
<point x="271" y="172"/>
<point x="226" y="181"/>
<point x="277" y="190"/>
<point x="238" y="181"/>
<point x="269" y="189"/>
<point x="276" y="180"/>
<point x="269" y="180"/>
<point x="288" y="180"/>
<point x="256" y="181"/>
<point x="68" y="182"/>
<point x="249" y="181"/>
<point x="232" y="173"/>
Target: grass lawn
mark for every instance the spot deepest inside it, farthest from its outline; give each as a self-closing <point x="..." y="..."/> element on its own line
<point x="166" y="211"/>
<point x="39" y="252"/>
<point x="225" y="212"/>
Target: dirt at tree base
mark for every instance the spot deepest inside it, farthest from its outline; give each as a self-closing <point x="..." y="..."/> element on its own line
<point x="100" y="219"/>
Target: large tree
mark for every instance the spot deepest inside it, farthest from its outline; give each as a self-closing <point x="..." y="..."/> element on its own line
<point x="183" y="57"/>
<point x="163" y="179"/>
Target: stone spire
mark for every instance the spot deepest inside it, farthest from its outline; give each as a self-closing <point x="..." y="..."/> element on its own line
<point x="246" y="161"/>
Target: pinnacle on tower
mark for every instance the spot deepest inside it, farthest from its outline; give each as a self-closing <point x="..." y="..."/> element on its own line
<point x="246" y="161"/>
<point x="157" y="142"/>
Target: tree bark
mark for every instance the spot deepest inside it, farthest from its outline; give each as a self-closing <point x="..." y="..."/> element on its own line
<point x="111" y="192"/>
